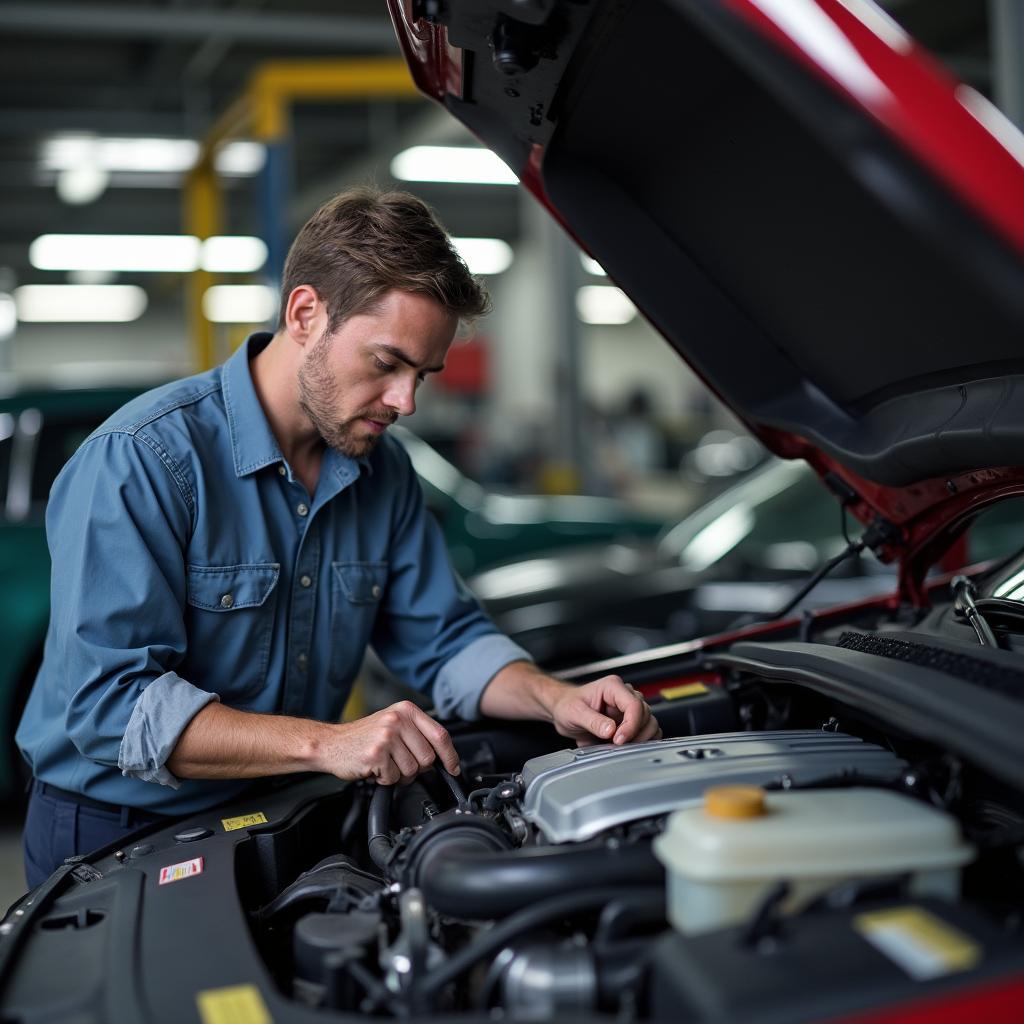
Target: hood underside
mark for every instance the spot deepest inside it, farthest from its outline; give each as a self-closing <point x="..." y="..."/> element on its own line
<point x="809" y="211"/>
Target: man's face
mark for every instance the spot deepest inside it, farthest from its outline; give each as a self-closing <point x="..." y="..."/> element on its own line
<point x="357" y="381"/>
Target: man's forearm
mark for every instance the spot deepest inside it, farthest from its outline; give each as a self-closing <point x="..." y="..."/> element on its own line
<point x="521" y="690"/>
<point x="396" y="743"/>
<point x="224" y="743"/>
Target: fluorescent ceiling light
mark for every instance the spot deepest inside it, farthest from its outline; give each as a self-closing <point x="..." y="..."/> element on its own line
<point x="603" y="304"/>
<point x="79" y="303"/>
<point x="592" y="266"/>
<point x="70" y="152"/>
<point x="154" y="253"/>
<point x="226" y="254"/>
<point x="233" y="254"/>
<point x="484" y="255"/>
<point x="240" y="159"/>
<point x="239" y="303"/>
<point x="463" y="164"/>
<point x="83" y="184"/>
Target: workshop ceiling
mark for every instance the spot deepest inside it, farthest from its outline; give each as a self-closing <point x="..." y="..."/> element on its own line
<point x="125" y="68"/>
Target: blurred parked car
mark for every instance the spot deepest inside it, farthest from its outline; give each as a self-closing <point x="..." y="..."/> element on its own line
<point x="740" y="557"/>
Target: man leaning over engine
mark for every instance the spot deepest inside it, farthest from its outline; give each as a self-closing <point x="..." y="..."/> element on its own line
<point x="225" y="547"/>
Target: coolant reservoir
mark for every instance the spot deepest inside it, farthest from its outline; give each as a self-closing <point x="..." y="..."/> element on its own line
<point x="722" y="858"/>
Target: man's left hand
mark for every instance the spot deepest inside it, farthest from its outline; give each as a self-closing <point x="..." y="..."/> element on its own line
<point x="604" y="711"/>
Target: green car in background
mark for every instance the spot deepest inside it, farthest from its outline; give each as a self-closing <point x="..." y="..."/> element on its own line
<point x="41" y="428"/>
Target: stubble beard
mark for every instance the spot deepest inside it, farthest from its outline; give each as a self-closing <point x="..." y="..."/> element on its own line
<point x="316" y="385"/>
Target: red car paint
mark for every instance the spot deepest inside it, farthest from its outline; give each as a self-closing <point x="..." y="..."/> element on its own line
<point x="999" y="1003"/>
<point x="899" y="86"/>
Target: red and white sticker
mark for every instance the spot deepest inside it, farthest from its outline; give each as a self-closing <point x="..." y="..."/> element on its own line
<point x="186" y="869"/>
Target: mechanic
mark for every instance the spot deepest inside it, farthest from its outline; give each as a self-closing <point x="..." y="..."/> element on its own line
<point x="225" y="547"/>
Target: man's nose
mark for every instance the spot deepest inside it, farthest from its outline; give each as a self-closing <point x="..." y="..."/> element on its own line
<point x="401" y="396"/>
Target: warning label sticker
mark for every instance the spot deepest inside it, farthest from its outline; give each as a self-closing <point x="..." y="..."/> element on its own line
<point x="922" y="944"/>
<point x="186" y="869"/>
<point x="243" y="821"/>
<point x="236" y="1004"/>
<point x="687" y="690"/>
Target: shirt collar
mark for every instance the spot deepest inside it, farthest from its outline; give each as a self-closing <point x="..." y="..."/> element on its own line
<point x="253" y="445"/>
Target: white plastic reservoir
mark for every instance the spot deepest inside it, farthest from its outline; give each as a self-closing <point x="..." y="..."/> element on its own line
<point x="722" y="858"/>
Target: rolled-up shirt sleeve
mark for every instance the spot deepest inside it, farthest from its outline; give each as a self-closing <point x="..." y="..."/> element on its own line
<point x="160" y="714"/>
<point x="433" y="633"/>
<point x="462" y="679"/>
<point x="117" y="524"/>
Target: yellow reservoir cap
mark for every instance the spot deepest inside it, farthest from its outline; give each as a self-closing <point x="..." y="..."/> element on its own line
<point x="734" y="801"/>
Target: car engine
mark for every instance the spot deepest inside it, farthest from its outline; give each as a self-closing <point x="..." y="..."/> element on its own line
<point x="546" y="888"/>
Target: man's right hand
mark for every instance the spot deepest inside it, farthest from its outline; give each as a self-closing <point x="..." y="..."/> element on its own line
<point x="393" y="745"/>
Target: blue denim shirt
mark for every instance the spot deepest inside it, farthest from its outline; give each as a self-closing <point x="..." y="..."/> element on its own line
<point x="190" y="565"/>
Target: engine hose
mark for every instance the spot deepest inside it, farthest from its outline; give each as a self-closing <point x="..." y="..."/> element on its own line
<point x="378" y="820"/>
<point x="454" y="785"/>
<point x="425" y="989"/>
<point x="481" y="884"/>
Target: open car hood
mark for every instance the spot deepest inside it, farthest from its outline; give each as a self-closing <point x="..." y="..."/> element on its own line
<point x="823" y="224"/>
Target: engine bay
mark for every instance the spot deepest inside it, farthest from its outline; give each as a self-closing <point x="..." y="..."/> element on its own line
<point x="880" y="867"/>
<point x="833" y="823"/>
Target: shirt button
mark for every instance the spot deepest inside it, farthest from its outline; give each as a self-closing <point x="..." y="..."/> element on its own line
<point x="305" y="581"/>
<point x="302" y="659"/>
<point x="302" y="508"/>
<point x="227" y="601"/>
<point x="376" y="590"/>
<point x="282" y="471"/>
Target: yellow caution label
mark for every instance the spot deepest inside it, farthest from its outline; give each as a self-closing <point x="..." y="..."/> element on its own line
<point x="687" y="690"/>
<point x="243" y="821"/>
<point x="916" y="940"/>
<point x="236" y="1004"/>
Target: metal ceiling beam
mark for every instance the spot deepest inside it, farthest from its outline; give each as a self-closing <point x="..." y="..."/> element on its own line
<point x="342" y="33"/>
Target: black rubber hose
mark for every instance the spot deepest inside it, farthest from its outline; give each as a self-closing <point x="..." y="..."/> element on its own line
<point x="454" y="785"/>
<point x="487" y="943"/>
<point x="378" y="821"/>
<point x="479" y="885"/>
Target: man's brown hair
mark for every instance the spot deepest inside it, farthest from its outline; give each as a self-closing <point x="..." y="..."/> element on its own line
<point x="363" y="242"/>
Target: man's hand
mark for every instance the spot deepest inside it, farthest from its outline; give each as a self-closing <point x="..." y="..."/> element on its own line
<point x="604" y="711"/>
<point x="393" y="745"/>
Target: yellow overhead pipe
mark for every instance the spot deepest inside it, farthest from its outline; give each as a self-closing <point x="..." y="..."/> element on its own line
<point x="263" y="112"/>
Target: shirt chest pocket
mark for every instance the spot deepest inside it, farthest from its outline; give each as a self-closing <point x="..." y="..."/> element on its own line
<point x="230" y="624"/>
<point x="357" y="589"/>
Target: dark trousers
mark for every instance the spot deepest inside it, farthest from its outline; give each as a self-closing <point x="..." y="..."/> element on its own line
<point x="57" y="828"/>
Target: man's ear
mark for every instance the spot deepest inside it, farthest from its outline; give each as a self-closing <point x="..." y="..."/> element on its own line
<point x="305" y="316"/>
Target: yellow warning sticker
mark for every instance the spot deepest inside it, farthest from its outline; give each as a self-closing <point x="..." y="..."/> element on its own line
<point x="922" y="944"/>
<point x="236" y="1004"/>
<point x="687" y="690"/>
<point x="243" y="821"/>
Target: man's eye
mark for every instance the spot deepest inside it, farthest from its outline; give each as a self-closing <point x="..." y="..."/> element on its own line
<point x="421" y="377"/>
<point x="382" y="366"/>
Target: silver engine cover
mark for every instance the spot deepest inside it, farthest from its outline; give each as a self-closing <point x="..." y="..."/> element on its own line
<point x="572" y="795"/>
